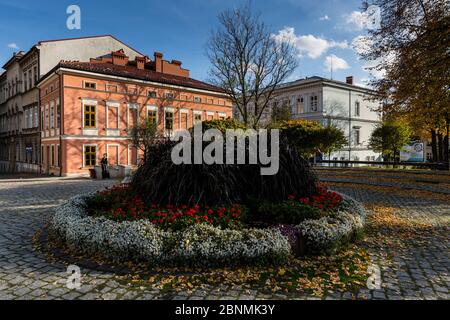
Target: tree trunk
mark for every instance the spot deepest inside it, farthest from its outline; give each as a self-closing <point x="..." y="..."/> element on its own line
<point x="440" y="146"/>
<point x="434" y="145"/>
<point x="446" y="146"/>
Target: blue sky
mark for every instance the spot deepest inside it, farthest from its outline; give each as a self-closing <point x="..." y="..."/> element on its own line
<point x="180" y="28"/>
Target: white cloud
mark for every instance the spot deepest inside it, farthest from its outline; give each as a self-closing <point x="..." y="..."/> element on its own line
<point x="13" y="46"/>
<point x="308" y="45"/>
<point x="335" y="62"/>
<point x="324" y="18"/>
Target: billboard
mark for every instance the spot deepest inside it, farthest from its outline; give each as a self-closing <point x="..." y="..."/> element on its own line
<point x="413" y="152"/>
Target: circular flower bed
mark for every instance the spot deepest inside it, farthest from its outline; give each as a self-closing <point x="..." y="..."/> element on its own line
<point x="119" y="226"/>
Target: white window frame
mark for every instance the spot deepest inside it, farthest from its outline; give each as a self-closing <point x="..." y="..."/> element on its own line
<point x="169" y="109"/>
<point x="89" y="81"/>
<point x="47" y="116"/>
<point x="194" y="113"/>
<point x="314" y="103"/>
<point x="152" y="108"/>
<point x="222" y="115"/>
<point x="186" y="112"/>
<point x="52" y="115"/>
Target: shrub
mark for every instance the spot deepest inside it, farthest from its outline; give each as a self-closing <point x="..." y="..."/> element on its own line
<point x="309" y="136"/>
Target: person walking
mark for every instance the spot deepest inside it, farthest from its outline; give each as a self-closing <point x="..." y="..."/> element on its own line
<point x="104" y="163"/>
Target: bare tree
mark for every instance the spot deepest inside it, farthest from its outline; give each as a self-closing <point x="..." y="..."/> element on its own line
<point x="248" y="62"/>
<point x="150" y="131"/>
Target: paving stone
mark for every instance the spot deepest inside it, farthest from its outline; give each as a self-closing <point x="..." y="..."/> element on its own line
<point x="419" y="270"/>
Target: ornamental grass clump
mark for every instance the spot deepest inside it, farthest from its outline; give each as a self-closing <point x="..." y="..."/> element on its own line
<point x="160" y="181"/>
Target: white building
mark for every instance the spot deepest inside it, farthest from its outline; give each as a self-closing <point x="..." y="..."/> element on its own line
<point x="337" y="103"/>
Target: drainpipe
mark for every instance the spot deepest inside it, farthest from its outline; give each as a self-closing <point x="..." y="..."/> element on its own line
<point x="61" y="102"/>
<point x="349" y="124"/>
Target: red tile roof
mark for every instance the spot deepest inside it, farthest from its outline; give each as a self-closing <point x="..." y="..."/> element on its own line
<point x="134" y="73"/>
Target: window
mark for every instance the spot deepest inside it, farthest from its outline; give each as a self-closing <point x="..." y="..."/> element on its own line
<point x="132" y="90"/>
<point x="300" y="105"/>
<point x="357" y="108"/>
<point x="25" y="82"/>
<point x="170" y="95"/>
<point x="184" y="120"/>
<point x="314" y="103"/>
<point x="46" y="117"/>
<point x="169" y="120"/>
<point x="152" y="94"/>
<point x="52" y="156"/>
<point x="90" y="156"/>
<point x="197" y="118"/>
<point x="357" y="136"/>
<point x="210" y="116"/>
<point x="111" y="88"/>
<point x="58" y="115"/>
<point x="58" y="152"/>
<point x="26" y="119"/>
<point x="152" y="116"/>
<point x="90" y="85"/>
<point x="52" y="116"/>
<point x="89" y="116"/>
<point x="35" y="117"/>
<point x="36" y="76"/>
<point x="198" y="99"/>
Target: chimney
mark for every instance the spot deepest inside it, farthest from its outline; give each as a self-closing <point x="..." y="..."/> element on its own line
<point x="177" y="63"/>
<point x="158" y="61"/>
<point x="119" y="58"/>
<point x="349" y="80"/>
<point x="140" y="63"/>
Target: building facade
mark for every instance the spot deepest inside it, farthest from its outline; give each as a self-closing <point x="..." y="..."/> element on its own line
<point x="19" y="98"/>
<point x="336" y="103"/>
<point x="87" y="108"/>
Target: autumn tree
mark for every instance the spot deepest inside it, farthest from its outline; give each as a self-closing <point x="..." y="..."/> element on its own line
<point x="248" y="62"/>
<point x="411" y="48"/>
<point x="389" y="138"/>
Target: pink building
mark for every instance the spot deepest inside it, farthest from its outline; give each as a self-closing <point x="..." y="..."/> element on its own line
<point x="88" y="107"/>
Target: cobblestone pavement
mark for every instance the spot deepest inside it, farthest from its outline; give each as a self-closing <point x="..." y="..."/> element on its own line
<point x="418" y="270"/>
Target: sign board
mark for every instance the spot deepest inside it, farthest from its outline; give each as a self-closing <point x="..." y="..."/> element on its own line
<point x="413" y="152"/>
